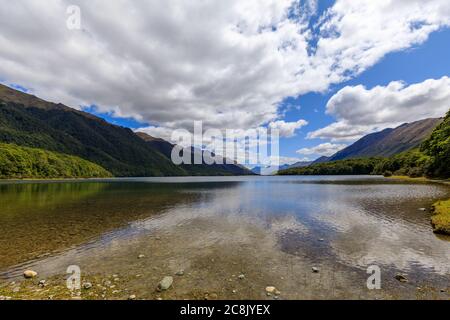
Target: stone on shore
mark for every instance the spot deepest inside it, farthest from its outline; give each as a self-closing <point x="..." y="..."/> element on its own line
<point x="315" y="270"/>
<point x="87" y="285"/>
<point x="165" y="283"/>
<point x="271" y="290"/>
<point x="29" y="274"/>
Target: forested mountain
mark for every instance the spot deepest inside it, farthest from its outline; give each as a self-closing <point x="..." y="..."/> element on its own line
<point x="165" y="148"/>
<point x="28" y="121"/>
<point x="389" y="142"/>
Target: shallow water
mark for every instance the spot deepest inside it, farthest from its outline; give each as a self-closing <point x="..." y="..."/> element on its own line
<point x="272" y="229"/>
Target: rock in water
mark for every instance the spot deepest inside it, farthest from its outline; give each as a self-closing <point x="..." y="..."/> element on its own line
<point x="165" y="283"/>
<point x="180" y="273"/>
<point x="29" y="274"/>
<point x="401" y="278"/>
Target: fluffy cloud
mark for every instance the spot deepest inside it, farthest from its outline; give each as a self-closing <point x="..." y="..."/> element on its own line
<point x="359" y="110"/>
<point x="287" y="129"/>
<point x="227" y="63"/>
<point x="324" y="149"/>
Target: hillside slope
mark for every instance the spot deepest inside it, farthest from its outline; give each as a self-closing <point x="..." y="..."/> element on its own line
<point x="389" y="142"/>
<point x="58" y="128"/>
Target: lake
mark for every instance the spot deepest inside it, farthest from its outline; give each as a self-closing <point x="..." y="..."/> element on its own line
<point x="228" y="237"/>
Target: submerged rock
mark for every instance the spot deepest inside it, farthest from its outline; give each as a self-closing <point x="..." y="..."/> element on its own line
<point x="401" y="278"/>
<point x="165" y="283"/>
<point x="180" y="273"/>
<point x="29" y="274"/>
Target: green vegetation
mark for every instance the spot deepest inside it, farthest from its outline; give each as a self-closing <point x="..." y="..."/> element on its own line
<point x="441" y="219"/>
<point x="341" y="167"/>
<point x="22" y="162"/>
<point x="71" y="132"/>
<point x="431" y="160"/>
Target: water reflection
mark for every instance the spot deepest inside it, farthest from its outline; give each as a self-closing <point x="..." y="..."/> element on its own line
<point x="340" y="221"/>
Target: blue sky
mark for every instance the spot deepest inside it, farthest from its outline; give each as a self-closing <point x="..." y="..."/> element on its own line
<point x="430" y="60"/>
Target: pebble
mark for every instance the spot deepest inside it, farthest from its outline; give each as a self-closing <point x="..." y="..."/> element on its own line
<point x="234" y="291"/>
<point x="241" y="276"/>
<point x="41" y="283"/>
<point x="422" y="209"/>
<point x="401" y="278"/>
<point x="180" y="273"/>
<point x="132" y="297"/>
<point x="165" y="283"/>
<point x="141" y="256"/>
<point x="87" y="285"/>
<point x="321" y="240"/>
<point x="213" y="296"/>
<point x="271" y="290"/>
<point x="29" y="274"/>
<point x="315" y="270"/>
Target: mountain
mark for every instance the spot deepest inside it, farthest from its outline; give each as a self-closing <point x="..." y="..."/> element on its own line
<point x="165" y="148"/>
<point x="389" y="142"/>
<point x="299" y="164"/>
<point x="28" y="121"/>
<point x="321" y="160"/>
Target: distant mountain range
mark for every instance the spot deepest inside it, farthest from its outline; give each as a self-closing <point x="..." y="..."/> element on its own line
<point x="28" y="121"/>
<point x="165" y="148"/>
<point x="388" y="142"/>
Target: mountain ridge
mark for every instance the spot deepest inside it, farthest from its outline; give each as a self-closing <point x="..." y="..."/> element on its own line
<point x="389" y="142"/>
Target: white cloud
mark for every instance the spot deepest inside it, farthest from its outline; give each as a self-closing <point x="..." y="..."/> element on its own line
<point x="324" y="149"/>
<point x="287" y="129"/>
<point x="360" y="111"/>
<point x="228" y="63"/>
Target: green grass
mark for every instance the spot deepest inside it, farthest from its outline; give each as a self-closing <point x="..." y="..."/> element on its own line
<point x="32" y="163"/>
<point x="441" y="219"/>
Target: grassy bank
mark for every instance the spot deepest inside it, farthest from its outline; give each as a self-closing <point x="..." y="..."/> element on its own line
<point x="441" y="218"/>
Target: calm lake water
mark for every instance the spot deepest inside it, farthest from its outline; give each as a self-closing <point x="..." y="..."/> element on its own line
<point x="271" y="229"/>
